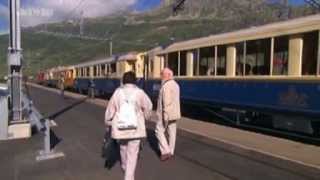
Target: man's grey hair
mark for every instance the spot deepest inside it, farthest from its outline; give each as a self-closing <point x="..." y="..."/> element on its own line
<point x="169" y="71"/>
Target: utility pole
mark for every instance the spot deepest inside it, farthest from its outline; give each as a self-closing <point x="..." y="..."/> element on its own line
<point x="110" y="46"/>
<point x="81" y="23"/>
<point x="14" y="62"/>
<point x="287" y="13"/>
<point x="16" y="112"/>
<point x="178" y="6"/>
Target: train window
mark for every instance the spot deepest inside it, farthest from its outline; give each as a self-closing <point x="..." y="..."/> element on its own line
<point x="195" y="54"/>
<point x="88" y="72"/>
<point x="151" y="67"/>
<point x="103" y="70"/>
<point x="99" y="70"/>
<point x="258" y="57"/>
<point x="165" y="60"/>
<point x="95" y="71"/>
<point x="206" y="65"/>
<point x="222" y="60"/>
<point x="241" y="62"/>
<point x="183" y="63"/>
<point x="113" y="68"/>
<point x="281" y="56"/>
<point x="132" y="66"/>
<point x="310" y="53"/>
<point x="107" y="69"/>
<point x="173" y="62"/>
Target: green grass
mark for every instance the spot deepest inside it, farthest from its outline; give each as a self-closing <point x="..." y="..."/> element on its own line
<point x="43" y="51"/>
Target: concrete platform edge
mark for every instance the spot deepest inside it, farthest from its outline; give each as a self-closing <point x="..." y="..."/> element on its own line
<point x="298" y="167"/>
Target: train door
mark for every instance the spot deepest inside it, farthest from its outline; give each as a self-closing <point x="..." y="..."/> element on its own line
<point x="145" y="70"/>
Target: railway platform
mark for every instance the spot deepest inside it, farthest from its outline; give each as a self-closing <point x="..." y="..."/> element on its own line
<point x="204" y="150"/>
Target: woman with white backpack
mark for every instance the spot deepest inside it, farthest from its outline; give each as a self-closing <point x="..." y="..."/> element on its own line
<point x="125" y="116"/>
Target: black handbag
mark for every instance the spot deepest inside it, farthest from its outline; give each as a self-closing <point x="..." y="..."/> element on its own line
<point x="110" y="151"/>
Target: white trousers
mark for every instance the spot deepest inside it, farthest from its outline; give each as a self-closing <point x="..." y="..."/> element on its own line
<point x="129" y="150"/>
<point x="166" y="145"/>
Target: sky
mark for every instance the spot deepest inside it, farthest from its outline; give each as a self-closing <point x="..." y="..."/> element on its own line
<point x="39" y="11"/>
<point x="42" y="11"/>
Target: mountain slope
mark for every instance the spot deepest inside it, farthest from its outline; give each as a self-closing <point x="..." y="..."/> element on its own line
<point x="49" y="45"/>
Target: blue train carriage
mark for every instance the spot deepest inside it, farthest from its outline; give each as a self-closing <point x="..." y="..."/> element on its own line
<point x="46" y="76"/>
<point x="133" y="61"/>
<point x="69" y="75"/>
<point x="271" y="70"/>
<point x="106" y="73"/>
<point x="53" y="75"/>
<point x="49" y="78"/>
<point x="102" y="73"/>
<point x="153" y="64"/>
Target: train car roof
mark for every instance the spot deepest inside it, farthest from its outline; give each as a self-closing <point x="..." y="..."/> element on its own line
<point x="100" y="61"/>
<point x="293" y="26"/>
<point x="58" y="69"/>
<point x="155" y="51"/>
<point x="131" y="56"/>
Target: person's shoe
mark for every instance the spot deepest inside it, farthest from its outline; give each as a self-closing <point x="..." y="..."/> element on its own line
<point x="165" y="157"/>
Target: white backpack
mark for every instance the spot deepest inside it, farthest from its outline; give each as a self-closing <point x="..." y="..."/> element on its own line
<point x="127" y="114"/>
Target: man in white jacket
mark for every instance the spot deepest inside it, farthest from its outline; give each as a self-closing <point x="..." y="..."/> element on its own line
<point x="126" y="113"/>
<point x="168" y="112"/>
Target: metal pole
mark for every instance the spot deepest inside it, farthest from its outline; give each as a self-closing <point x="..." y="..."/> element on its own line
<point x="179" y="63"/>
<point x="215" y="60"/>
<point x="198" y="62"/>
<point x="16" y="97"/>
<point x="287" y="9"/>
<point x="318" y="60"/>
<point x="14" y="61"/>
<point x="81" y="24"/>
<point x="47" y="153"/>
<point x="111" y="46"/>
<point x="47" y="137"/>
<point x="166" y="61"/>
<point x="244" y="57"/>
<point x="271" y="56"/>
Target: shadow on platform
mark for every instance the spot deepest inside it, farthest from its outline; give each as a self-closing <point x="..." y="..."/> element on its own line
<point x="66" y="109"/>
<point x="54" y="139"/>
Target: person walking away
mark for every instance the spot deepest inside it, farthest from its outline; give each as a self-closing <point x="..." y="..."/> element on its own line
<point x="126" y="112"/>
<point x="61" y="84"/>
<point x="91" y="89"/>
<point x="169" y="113"/>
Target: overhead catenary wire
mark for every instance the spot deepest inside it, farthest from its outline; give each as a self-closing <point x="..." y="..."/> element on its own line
<point x="76" y="7"/>
<point x="314" y="4"/>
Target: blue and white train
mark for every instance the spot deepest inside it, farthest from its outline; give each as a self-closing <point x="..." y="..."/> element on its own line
<point x="272" y="70"/>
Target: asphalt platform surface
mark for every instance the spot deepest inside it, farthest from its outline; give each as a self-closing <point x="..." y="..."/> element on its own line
<point x="81" y="128"/>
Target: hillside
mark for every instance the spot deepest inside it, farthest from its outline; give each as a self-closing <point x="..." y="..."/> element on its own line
<point x="44" y="46"/>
